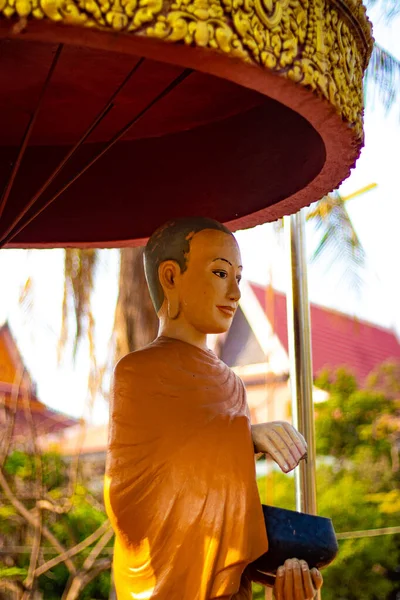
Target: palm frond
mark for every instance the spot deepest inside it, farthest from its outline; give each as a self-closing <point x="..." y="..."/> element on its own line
<point x="382" y="78"/>
<point x="136" y="322"/>
<point x="339" y="243"/>
<point x="79" y="269"/>
<point x="388" y="8"/>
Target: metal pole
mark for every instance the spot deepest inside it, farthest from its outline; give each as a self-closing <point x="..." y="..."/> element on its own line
<point x="299" y="337"/>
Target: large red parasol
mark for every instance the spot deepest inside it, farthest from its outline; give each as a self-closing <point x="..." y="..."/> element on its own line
<point x="117" y="115"/>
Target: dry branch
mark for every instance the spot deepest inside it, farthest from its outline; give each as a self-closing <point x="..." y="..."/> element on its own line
<point x="67" y="554"/>
<point x="12" y="586"/>
<point x="30" y="578"/>
<point x="31" y="520"/>
<point x="37" y="535"/>
<point x="81" y="580"/>
<point x="7" y="437"/>
<point x="103" y="541"/>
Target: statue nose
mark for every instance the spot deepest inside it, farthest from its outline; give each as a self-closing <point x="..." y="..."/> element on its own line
<point x="234" y="292"/>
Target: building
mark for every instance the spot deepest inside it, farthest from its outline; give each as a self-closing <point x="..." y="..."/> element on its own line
<point x="18" y="397"/>
<point x="256" y="347"/>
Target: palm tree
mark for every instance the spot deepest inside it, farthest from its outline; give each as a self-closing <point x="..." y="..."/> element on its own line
<point x="135" y="321"/>
<point x="384" y="69"/>
<point x="383" y="77"/>
<point x="388" y="8"/>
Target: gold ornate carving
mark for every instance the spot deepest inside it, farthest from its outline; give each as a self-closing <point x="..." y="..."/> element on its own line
<point x="201" y="23"/>
<point x="323" y="45"/>
<point x="118" y="15"/>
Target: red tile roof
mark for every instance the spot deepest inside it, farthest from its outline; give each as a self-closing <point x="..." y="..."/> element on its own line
<point x="46" y="420"/>
<point x="337" y="339"/>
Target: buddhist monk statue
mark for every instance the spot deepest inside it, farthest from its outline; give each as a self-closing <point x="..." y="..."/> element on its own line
<point x="180" y="486"/>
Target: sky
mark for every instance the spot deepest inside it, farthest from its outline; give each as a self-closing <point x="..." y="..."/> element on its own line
<point x="375" y="215"/>
<point x="36" y="320"/>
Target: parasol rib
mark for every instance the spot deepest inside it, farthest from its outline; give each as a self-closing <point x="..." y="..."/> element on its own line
<point x="28" y="132"/>
<point x="73" y="150"/>
<point x="109" y="145"/>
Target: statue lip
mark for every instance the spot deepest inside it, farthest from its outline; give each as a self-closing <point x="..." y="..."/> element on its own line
<point x="227" y="310"/>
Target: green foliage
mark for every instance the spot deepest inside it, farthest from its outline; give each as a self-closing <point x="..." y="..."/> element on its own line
<point x="12" y="573"/>
<point x="359" y="571"/>
<point x="386" y="379"/>
<point x="77" y="524"/>
<point x="54" y="471"/>
<point x="19" y="464"/>
<point x="258" y="592"/>
<point x="52" y="584"/>
<point x="360" y="568"/>
<point x="338" y="243"/>
<point x="97" y="589"/>
<point x="70" y="528"/>
<point x="358" y="489"/>
<point x="7" y="516"/>
<point x="22" y="466"/>
<point x="353" y="418"/>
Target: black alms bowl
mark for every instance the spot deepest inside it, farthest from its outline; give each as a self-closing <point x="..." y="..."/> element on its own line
<point x="296" y="535"/>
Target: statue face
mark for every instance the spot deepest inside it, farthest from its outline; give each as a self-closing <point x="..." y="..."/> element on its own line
<point x="209" y="288"/>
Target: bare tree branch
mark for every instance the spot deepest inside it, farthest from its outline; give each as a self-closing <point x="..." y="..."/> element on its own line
<point x="45" y="504"/>
<point x="30" y="578"/>
<point x="37" y="455"/>
<point x="7" y="437"/>
<point x="37" y="535"/>
<point x="103" y="541"/>
<point x="67" y="554"/>
<point x="80" y="581"/>
<point x="112" y="595"/>
<point x="13" y="586"/>
<point x="29" y="518"/>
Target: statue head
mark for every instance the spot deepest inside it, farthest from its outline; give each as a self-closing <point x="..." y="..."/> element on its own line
<point x="193" y="268"/>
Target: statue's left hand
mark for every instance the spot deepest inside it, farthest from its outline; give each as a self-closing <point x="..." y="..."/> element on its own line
<point x="281" y="441"/>
<point x="295" y="581"/>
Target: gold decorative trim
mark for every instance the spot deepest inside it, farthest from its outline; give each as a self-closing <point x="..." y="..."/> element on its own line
<point x="323" y="45"/>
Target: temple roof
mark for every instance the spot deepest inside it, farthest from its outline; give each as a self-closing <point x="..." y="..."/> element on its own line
<point x="17" y="388"/>
<point x="338" y="339"/>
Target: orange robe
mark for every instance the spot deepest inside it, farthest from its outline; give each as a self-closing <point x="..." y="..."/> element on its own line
<point x="180" y="484"/>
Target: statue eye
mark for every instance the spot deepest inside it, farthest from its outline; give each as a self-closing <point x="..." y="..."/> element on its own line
<point x="221" y="274"/>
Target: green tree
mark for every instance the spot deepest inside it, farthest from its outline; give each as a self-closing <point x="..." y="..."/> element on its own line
<point x="358" y="421"/>
<point x="70" y="523"/>
<point x="360" y="491"/>
<point x="360" y="571"/>
<point x="358" y="488"/>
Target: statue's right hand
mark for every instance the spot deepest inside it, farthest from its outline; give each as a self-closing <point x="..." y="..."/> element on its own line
<point x="281" y="441"/>
<point x="295" y="581"/>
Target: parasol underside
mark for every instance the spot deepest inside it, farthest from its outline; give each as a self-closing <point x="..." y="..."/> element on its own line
<point x="101" y="142"/>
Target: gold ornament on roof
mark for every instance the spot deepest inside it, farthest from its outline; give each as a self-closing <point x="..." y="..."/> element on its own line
<point x="322" y="45"/>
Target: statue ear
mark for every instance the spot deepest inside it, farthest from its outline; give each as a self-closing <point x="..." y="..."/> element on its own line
<point x="169" y="273"/>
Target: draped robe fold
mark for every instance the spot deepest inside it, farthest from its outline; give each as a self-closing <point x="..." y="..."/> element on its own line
<point x="180" y="486"/>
